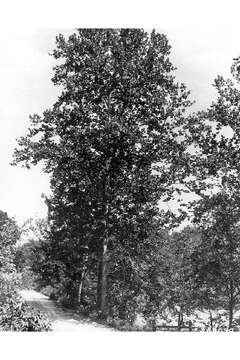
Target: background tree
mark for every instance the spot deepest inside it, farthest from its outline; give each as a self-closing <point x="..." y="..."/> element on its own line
<point x="217" y="261"/>
<point x="9" y="236"/>
<point x="215" y="178"/>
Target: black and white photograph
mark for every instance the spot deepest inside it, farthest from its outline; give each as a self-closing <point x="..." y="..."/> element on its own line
<point x="120" y="179"/>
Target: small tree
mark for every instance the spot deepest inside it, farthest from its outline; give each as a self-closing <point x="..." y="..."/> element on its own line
<point x="218" y="260"/>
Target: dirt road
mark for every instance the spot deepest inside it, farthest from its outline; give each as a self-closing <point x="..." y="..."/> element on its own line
<point x="62" y="320"/>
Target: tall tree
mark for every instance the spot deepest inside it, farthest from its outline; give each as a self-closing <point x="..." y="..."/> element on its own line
<point x="113" y="141"/>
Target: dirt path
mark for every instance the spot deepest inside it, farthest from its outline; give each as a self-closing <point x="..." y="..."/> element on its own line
<point x="62" y="320"/>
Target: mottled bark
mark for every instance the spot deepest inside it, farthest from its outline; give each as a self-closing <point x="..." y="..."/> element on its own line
<point x="231" y="304"/>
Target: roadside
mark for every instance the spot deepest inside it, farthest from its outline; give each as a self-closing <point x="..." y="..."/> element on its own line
<point x="62" y="319"/>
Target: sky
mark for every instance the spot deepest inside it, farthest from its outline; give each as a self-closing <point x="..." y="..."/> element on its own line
<point x="200" y="54"/>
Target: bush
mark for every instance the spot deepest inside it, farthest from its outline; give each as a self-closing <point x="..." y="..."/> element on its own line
<point x="50" y="291"/>
<point x="16" y="315"/>
<point x="56" y="293"/>
<point x="27" y="279"/>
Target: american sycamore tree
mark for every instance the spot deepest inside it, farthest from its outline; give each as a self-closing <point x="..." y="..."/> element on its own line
<point x="113" y="142"/>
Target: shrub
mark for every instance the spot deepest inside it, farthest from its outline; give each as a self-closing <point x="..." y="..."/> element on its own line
<point x="56" y="293"/>
<point x="27" y="279"/>
<point x="18" y="316"/>
<point x="50" y="291"/>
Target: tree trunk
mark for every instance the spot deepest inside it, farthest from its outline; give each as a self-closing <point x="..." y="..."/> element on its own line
<point x="231" y="305"/>
<point x="103" y="264"/>
<point x="102" y="280"/>
<point x="180" y="319"/>
<point x="99" y="283"/>
<point x="103" y="307"/>
<point x="190" y="325"/>
<point x="81" y="287"/>
<point x="84" y="270"/>
<point x="211" y="320"/>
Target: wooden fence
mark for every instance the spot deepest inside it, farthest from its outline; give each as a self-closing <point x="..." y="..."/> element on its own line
<point x="179" y="327"/>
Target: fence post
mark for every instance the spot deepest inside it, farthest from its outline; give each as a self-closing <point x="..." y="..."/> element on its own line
<point x="190" y="325"/>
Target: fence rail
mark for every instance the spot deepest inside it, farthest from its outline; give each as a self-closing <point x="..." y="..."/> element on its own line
<point x="180" y="327"/>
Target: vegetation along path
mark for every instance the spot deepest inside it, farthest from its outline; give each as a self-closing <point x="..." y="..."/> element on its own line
<point x="62" y="319"/>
